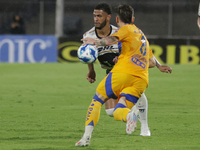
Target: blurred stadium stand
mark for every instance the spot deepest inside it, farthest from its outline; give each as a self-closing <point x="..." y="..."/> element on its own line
<point x="160" y="18"/>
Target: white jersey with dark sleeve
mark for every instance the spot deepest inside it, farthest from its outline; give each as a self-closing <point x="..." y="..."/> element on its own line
<point x="106" y="54"/>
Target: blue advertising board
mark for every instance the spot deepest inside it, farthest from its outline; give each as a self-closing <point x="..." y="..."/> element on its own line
<point x="28" y="49"/>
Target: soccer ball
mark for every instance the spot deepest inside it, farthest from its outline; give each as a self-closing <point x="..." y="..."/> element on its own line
<point x="87" y="53"/>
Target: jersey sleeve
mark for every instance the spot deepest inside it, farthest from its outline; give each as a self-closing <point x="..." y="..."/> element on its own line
<point x="85" y="35"/>
<point x="150" y="53"/>
<point x="121" y="33"/>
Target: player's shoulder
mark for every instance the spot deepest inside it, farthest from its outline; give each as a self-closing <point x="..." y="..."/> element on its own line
<point x="130" y="28"/>
<point x="114" y="29"/>
<point x="90" y="33"/>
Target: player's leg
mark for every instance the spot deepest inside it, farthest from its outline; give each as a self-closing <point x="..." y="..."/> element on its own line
<point x="129" y="92"/>
<point x="124" y="113"/>
<point x="92" y="118"/>
<point x="131" y="89"/>
<point x="93" y="113"/>
<point x="110" y="105"/>
<point x="142" y="105"/>
<point x="113" y="86"/>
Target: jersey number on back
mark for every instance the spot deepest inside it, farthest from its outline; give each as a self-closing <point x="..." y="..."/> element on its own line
<point x="143" y="47"/>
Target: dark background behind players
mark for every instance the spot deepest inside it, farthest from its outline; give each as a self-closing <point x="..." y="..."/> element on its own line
<point x="167" y="17"/>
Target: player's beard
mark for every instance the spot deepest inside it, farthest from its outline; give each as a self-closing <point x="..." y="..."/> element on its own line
<point x="102" y="25"/>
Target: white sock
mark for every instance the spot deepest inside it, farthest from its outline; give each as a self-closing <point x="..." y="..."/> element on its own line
<point x="110" y="112"/>
<point x="88" y="132"/>
<point x="142" y="105"/>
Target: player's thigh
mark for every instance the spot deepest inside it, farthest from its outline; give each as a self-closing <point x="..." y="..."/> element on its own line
<point x="120" y="81"/>
<point x="115" y="84"/>
<point x="134" y="92"/>
<point x="101" y="88"/>
<point x="105" y="87"/>
<point x="112" y="85"/>
<point x="137" y="88"/>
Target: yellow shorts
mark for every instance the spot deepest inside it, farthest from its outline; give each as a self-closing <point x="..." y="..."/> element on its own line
<point x="115" y="85"/>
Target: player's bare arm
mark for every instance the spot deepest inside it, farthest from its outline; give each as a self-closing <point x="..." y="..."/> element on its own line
<point x="101" y="42"/>
<point x="152" y="62"/>
<point x="166" y="69"/>
<point x="163" y="68"/>
<point x="91" y="76"/>
<point x="107" y="41"/>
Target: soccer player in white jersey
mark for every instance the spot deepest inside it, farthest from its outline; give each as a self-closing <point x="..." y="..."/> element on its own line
<point x="101" y="29"/>
<point x="198" y="20"/>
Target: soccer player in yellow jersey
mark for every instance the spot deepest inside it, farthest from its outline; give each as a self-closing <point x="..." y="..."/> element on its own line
<point x="127" y="80"/>
<point x="106" y="54"/>
<point x="198" y="20"/>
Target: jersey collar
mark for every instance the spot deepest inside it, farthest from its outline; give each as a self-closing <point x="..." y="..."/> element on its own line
<point x="107" y="35"/>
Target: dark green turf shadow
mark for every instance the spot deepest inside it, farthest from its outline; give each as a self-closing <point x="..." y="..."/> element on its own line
<point x="75" y="148"/>
<point x="33" y="138"/>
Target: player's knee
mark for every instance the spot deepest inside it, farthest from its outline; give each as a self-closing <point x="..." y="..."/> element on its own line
<point x="117" y="110"/>
<point x="110" y="112"/>
<point x="115" y="115"/>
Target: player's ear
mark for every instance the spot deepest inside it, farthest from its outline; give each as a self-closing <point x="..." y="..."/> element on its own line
<point x="117" y="19"/>
<point x="109" y="17"/>
<point x="133" y="19"/>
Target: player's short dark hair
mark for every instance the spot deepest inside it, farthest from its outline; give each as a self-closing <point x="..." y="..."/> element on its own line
<point x="105" y="7"/>
<point x="125" y="13"/>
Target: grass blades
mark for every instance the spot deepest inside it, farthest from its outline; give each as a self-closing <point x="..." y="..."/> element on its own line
<point x="43" y="107"/>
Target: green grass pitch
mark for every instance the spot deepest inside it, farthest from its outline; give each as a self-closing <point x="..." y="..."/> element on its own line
<point x="43" y="107"/>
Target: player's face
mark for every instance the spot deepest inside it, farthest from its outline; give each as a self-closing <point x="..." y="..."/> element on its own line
<point x="100" y="19"/>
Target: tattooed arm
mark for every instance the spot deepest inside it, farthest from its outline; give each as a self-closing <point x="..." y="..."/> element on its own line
<point x="101" y="42"/>
<point x="106" y="41"/>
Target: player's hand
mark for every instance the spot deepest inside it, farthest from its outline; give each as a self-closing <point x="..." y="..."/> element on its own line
<point x="115" y="59"/>
<point x="166" y="69"/>
<point x="91" y="76"/>
<point x="88" y="40"/>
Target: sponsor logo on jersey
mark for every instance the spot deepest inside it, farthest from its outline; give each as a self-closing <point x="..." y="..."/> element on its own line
<point x="139" y="60"/>
<point x="136" y="61"/>
<point x="106" y="48"/>
<point x="141" y="110"/>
